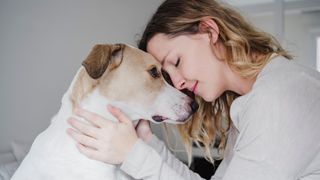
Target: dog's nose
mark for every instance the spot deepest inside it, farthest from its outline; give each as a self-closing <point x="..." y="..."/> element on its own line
<point x="194" y="106"/>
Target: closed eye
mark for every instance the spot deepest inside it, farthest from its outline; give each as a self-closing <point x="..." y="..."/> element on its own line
<point x="154" y="72"/>
<point x="166" y="77"/>
<point x="178" y="62"/>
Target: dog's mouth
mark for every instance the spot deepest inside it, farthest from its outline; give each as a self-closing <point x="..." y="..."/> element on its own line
<point x="158" y="118"/>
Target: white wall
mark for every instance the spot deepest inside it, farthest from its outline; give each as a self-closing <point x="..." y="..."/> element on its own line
<point x="42" y="44"/>
<point x="299" y="34"/>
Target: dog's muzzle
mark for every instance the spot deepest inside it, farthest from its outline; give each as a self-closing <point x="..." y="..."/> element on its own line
<point x="193" y="105"/>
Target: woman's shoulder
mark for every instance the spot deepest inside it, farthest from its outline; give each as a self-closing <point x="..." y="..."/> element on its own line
<point x="281" y="74"/>
<point x="286" y="82"/>
<point x="282" y="89"/>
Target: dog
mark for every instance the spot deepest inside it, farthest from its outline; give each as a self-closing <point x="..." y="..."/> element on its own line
<point x="115" y="74"/>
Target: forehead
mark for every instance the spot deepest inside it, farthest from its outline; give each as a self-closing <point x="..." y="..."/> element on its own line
<point x="160" y="45"/>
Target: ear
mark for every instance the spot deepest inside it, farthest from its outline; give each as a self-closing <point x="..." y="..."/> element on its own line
<point x="102" y="57"/>
<point x="208" y="25"/>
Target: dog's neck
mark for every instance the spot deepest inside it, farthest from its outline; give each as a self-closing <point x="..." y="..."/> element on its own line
<point x="95" y="103"/>
<point x="98" y="104"/>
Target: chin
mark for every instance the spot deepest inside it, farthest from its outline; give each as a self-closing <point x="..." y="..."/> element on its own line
<point x="208" y="98"/>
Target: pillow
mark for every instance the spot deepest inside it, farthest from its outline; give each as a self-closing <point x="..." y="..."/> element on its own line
<point x="19" y="149"/>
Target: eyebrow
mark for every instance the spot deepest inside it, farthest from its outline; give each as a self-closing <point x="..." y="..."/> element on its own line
<point x="162" y="62"/>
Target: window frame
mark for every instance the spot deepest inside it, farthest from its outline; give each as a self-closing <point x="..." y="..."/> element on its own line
<point x="315" y="35"/>
<point x="318" y="52"/>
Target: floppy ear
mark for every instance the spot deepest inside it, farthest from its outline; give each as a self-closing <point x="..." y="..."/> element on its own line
<point x="101" y="57"/>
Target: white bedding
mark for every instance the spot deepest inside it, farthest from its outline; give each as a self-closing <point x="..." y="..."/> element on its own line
<point x="10" y="160"/>
<point x="7" y="170"/>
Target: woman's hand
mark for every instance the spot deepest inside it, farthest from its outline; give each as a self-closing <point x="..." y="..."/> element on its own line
<point x="104" y="140"/>
<point x="144" y="130"/>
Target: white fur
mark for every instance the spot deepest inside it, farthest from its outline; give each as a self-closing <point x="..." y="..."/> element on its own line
<point x="54" y="155"/>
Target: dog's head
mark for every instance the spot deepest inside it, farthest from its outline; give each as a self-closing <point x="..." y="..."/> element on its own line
<point x="133" y="81"/>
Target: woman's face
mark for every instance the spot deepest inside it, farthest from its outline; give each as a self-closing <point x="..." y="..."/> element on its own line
<point x="190" y="63"/>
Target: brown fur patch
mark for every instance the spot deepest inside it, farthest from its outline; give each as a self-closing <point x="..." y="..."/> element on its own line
<point x="83" y="85"/>
<point x="130" y="82"/>
<point x="100" y="58"/>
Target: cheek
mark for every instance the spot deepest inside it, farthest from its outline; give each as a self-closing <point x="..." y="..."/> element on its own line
<point x="211" y="86"/>
<point x="199" y="63"/>
<point x="150" y="88"/>
<point x="217" y="88"/>
<point x="191" y="69"/>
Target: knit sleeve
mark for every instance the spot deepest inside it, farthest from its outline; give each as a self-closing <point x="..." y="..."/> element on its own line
<point x="145" y="162"/>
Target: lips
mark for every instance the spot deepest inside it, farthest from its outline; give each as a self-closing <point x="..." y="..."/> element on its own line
<point x="195" y="86"/>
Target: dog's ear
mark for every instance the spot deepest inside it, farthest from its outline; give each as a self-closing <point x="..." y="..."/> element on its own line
<point x="101" y="57"/>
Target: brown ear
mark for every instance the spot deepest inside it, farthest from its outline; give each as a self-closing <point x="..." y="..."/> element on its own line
<point x="101" y="57"/>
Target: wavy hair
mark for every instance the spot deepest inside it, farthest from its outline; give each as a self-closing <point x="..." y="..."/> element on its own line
<point x="209" y="126"/>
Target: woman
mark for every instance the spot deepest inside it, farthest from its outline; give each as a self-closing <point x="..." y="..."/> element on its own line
<point x="262" y="107"/>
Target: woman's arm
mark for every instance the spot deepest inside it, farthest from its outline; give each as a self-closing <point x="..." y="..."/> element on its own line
<point x="177" y="165"/>
<point x="144" y="162"/>
<point x="228" y="154"/>
<point x="144" y="132"/>
<point x="117" y="143"/>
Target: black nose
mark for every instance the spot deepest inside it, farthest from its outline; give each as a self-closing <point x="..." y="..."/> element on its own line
<point x="194" y="106"/>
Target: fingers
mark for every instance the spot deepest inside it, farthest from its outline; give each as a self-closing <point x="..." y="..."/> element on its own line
<point x="113" y="140"/>
<point x="143" y="130"/>
<point x="144" y="122"/>
<point x="92" y="117"/>
<point x="83" y="139"/>
<point x="83" y="127"/>
<point x="90" y="153"/>
<point x="117" y="113"/>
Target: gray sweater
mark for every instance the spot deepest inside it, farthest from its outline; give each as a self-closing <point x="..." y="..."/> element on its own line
<point x="276" y="134"/>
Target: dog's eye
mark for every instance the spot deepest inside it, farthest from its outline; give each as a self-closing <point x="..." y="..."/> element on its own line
<point x="154" y="72"/>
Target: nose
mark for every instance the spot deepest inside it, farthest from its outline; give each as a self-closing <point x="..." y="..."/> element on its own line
<point x="179" y="82"/>
<point x="176" y="79"/>
<point x="194" y="106"/>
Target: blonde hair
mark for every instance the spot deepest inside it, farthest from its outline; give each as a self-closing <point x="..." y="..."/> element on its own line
<point x="241" y="41"/>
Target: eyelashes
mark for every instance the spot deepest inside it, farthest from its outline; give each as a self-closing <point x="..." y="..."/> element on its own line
<point x="166" y="76"/>
<point x="178" y="62"/>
